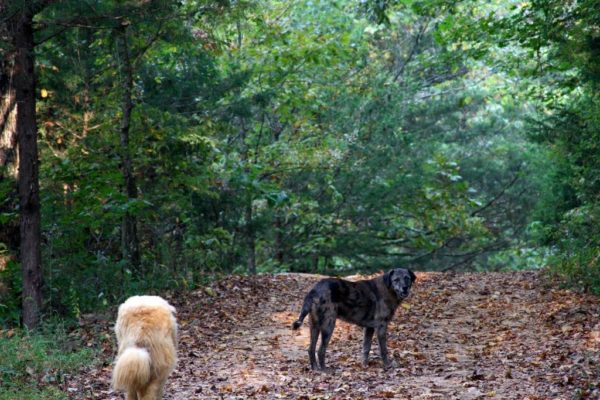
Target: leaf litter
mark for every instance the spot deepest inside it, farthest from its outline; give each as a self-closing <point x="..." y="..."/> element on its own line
<point x="459" y="336"/>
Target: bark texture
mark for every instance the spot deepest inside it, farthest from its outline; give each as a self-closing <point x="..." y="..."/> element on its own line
<point x="21" y="28"/>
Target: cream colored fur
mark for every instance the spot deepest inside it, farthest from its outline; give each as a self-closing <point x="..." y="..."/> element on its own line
<point x="147" y="336"/>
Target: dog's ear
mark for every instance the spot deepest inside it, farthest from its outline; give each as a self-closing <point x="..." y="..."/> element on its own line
<point x="413" y="277"/>
<point x="387" y="278"/>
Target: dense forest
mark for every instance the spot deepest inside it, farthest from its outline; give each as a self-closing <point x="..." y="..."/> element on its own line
<point x="151" y="145"/>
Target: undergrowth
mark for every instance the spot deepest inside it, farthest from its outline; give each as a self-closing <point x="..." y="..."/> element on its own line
<point x="36" y="365"/>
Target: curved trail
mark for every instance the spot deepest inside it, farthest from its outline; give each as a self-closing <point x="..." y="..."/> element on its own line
<point x="459" y="336"/>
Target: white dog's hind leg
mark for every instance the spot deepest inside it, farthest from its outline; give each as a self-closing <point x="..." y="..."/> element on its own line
<point x="132" y="394"/>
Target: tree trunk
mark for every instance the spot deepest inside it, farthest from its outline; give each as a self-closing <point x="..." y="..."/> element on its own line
<point x="29" y="200"/>
<point x="8" y="102"/>
<point x="9" y="161"/>
<point x="249" y="228"/>
<point x="279" y="242"/>
<point x="130" y="243"/>
<point x="250" y="237"/>
<point x="8" y="118"/>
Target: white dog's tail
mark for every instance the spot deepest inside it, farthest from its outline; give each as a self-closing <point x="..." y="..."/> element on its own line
<point x="132" y="369"/>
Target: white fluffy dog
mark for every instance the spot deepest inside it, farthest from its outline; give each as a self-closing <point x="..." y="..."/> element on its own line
<point x="147" y="336"/>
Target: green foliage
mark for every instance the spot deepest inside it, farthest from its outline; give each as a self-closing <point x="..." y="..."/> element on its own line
<point x="10" y="294"/>
<point x="577" y="240"/>
<point x="326" y="138"/>
<point x="549" y="52"/>
<point x="315" y="136"/>
<point x="50" y="393"/>
<point x="33" y="365"/>
<point x="566" y="40"/>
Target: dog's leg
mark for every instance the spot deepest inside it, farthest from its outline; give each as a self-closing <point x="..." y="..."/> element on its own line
<point x="326" y="332"/>
<point x="161" y="387"/>
<point x="153" y="391"/>
<point x="314" y="335"/>
<point x="367" y="339"/>
<point x="131" y="395"/>
<point x="382" y="339"/>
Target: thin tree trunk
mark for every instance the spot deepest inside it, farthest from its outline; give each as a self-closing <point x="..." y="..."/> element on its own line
<point x="8" y="121"/>
<point x="29" y="200"/>
<point x="9" y="160"/>
<point x="8" y="105"/>
<point x="250" y="233"/>
<point x="130" y="243"/>
<point x="250" y="237"/>
<point x="279" y="243"/>
<point x="87" y="87"/>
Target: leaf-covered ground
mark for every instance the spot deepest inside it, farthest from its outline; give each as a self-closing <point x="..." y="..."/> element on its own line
<point x="459" y="336"/>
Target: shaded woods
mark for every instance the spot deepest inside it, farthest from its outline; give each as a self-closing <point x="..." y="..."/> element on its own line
<point x="158" y="146"/>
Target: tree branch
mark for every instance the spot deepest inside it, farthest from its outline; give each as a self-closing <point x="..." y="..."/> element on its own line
<point x="498" y="196"/>
<point x="412" y="52"/>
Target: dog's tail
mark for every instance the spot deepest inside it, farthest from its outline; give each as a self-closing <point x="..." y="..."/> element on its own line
<point x="305" y="309"/>
<point x="132" y="369"/>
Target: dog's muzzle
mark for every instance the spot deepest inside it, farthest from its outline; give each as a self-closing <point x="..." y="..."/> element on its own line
<point x="402" y="292"/>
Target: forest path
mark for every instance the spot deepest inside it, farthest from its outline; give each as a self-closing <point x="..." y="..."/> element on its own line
<point x="458" y="336"/>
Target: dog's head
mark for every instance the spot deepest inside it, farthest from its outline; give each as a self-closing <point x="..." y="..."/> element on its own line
<point x="399" y="280"/>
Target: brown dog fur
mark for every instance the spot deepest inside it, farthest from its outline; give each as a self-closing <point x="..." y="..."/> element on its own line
<point x="147" y="336"/>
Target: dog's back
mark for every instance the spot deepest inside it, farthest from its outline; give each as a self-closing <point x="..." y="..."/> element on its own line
<point x="354" y="302"/>
<point x="147" y="335"/>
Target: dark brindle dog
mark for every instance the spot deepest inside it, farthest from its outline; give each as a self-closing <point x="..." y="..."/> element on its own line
<point x="370" y="304"/>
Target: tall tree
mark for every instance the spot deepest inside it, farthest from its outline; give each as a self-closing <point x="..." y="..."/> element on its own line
<point x="130" y="243"/>
<point x="9" y="230"/>
<point x="8" y="132"/>
<point x="19" y="25"/>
